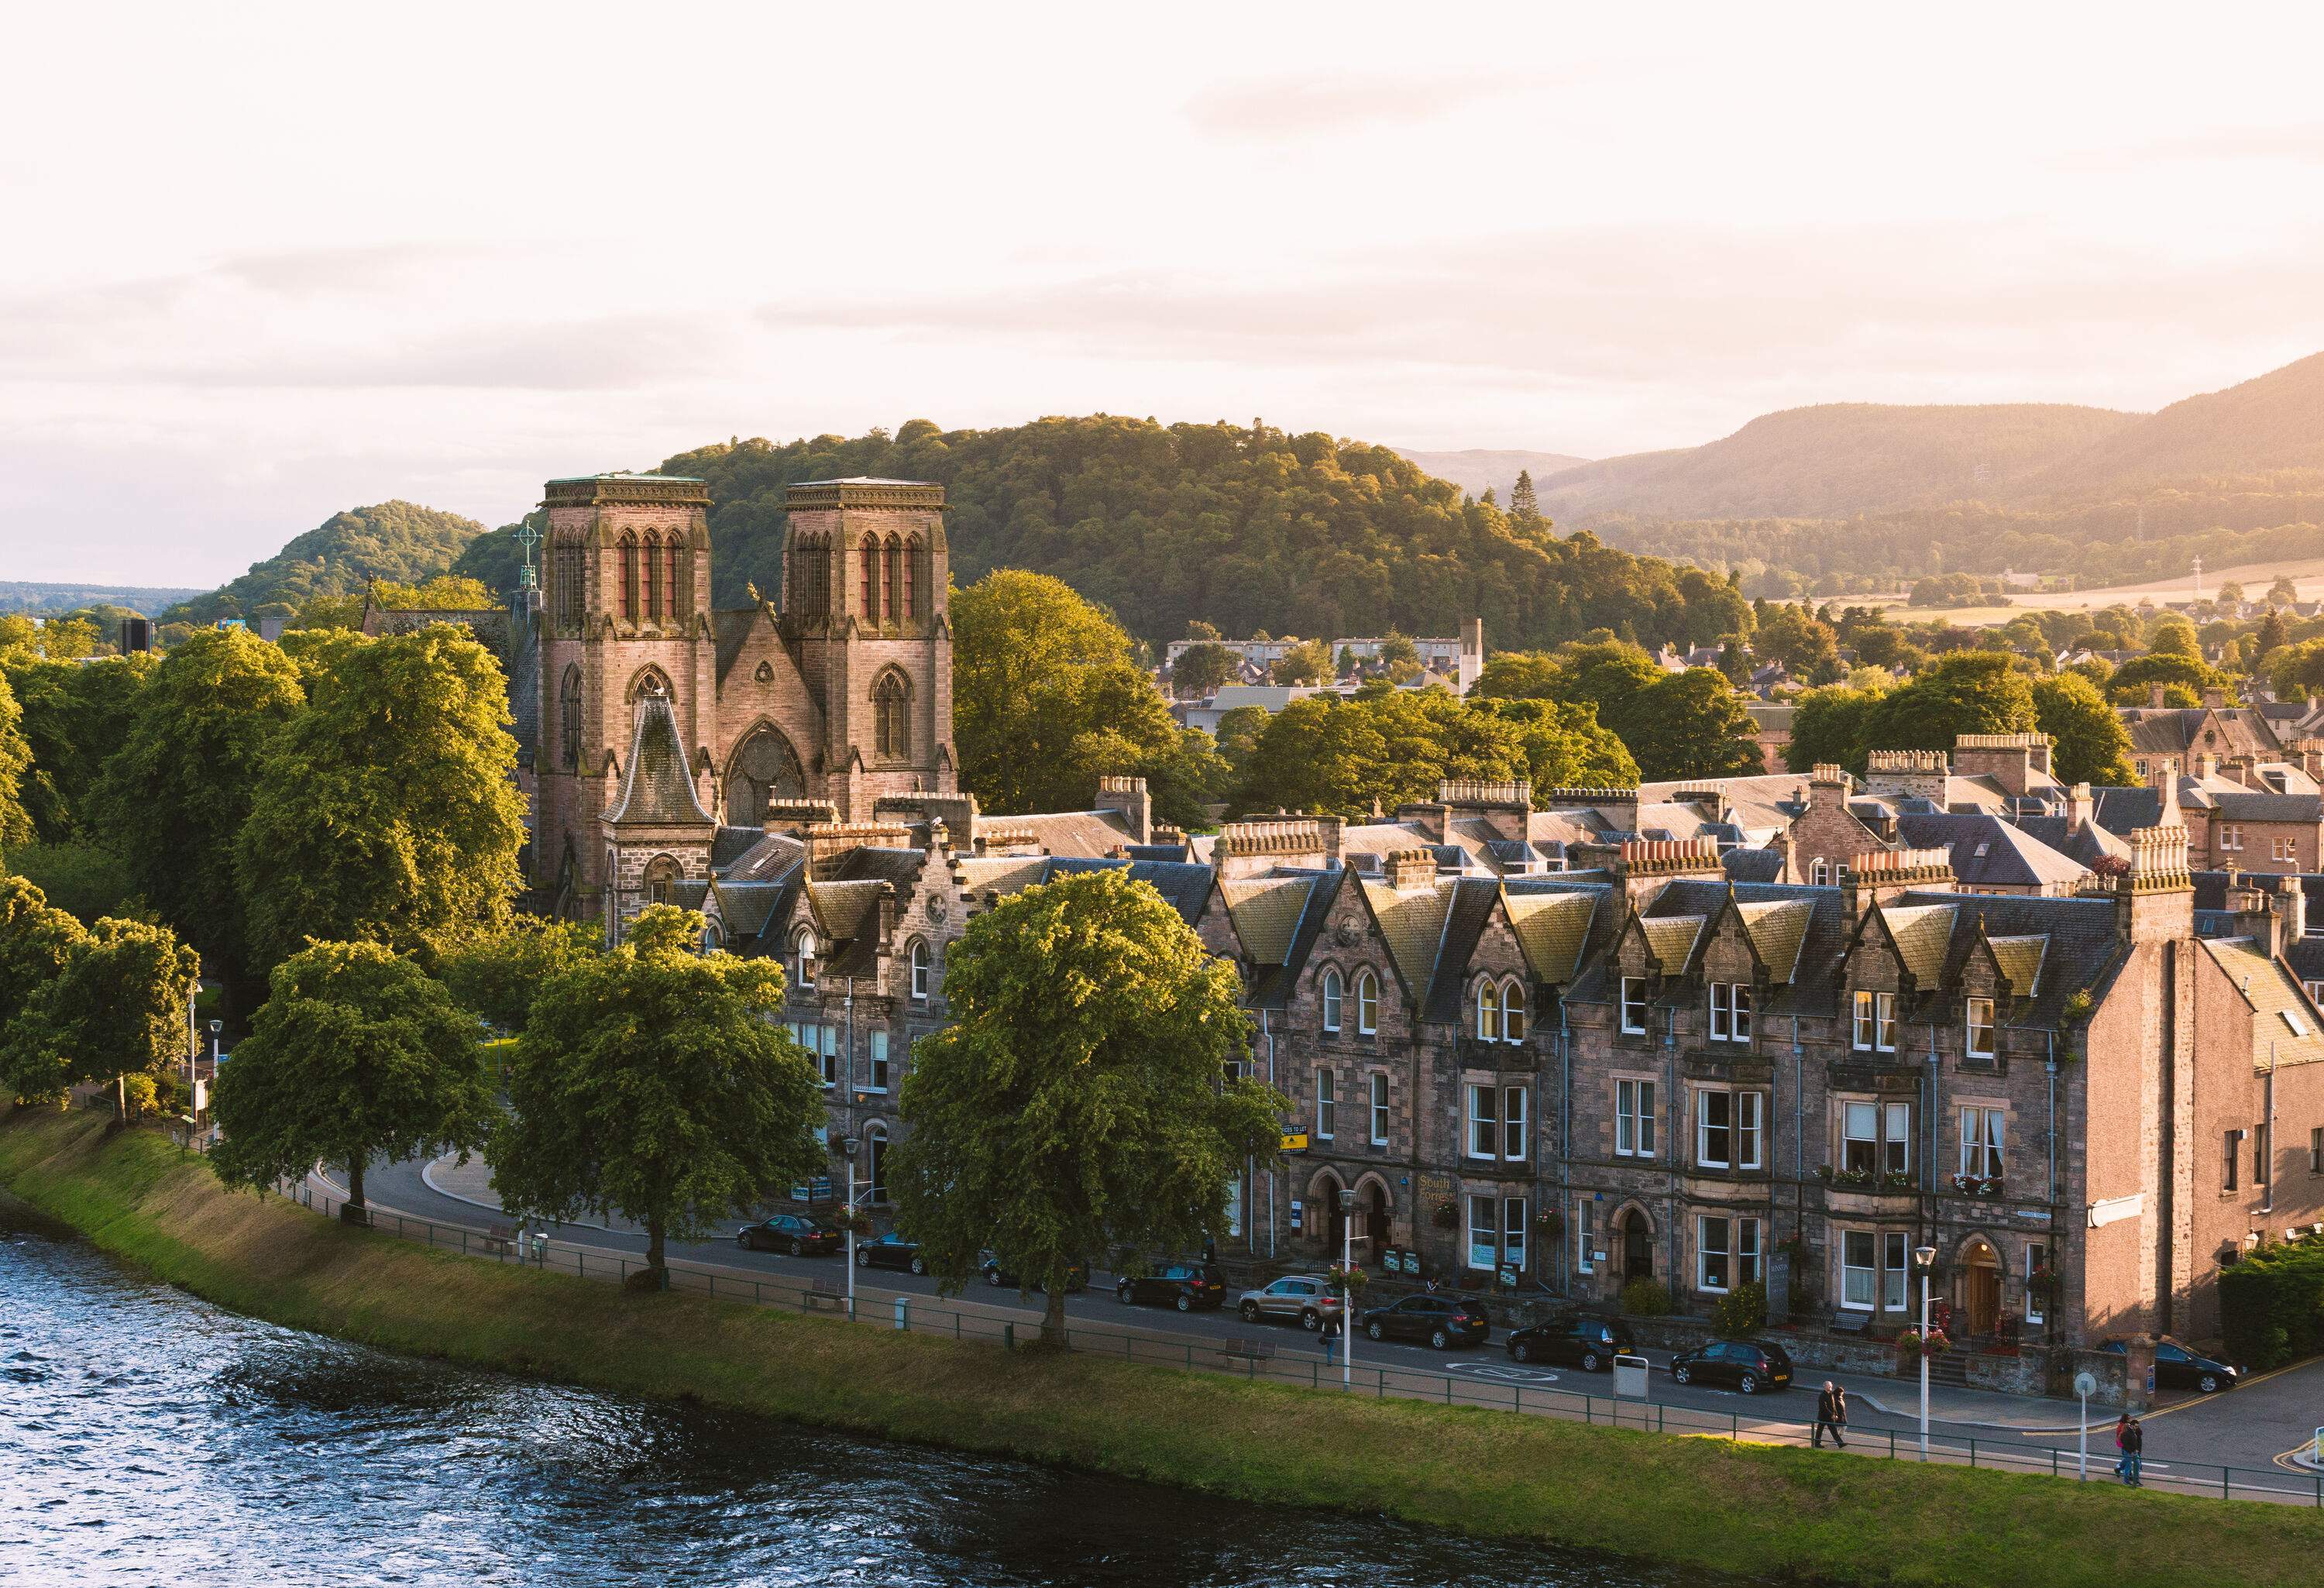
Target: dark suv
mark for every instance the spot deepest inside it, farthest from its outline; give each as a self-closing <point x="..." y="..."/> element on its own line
<point x="1443" y="1321"/>
<point x="1747" y="1365"/>
<point x="1185" y="1286"/>
<point x="2178" y="1367"/>
<point x="1588" y="1343"/>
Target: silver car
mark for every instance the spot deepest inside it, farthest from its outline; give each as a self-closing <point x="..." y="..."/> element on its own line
<point x="1304" y="1296"/>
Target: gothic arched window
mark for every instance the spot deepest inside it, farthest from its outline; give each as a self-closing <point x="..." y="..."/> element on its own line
<point x="680" y="599"/>
<point x="764" y="768"/>
<point x="629" y="578"/>
<point x="891" y="733"/>
<point x="803" y="958"/>
<point x="1513" y="1012"/>
<point x="651" y="559"/>
<point x="920" y="971"/>
<point x="895" y="576"/>
<point x="662" y="874"/>
<point x="912" y="576"/>
<point x="568" y="721"/>
<point x="1489" y="1012"/>
<point x="872" y="579"/>
<point x="567" y="580"/>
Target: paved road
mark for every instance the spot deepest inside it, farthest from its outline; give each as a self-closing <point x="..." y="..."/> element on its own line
<point x="2250" y="1427"/>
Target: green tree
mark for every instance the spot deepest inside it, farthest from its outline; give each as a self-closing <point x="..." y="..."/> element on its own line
<point x="36" y="940"/>
<point x="1077" y="1099"/>
<point x="392" y="541"/>
<point x="1045" y="696"/>
<point x="1524" y="501"/>
<point x="1237" y="736"/>
<point x="2294" y="671"/>
<point x="75" y="714"/>
<point x="1691" y="724"/>
<point x="1828" y="728"/>
<point x="1564" y="747"/>
<point x="496" y="978"/>
<point x="16" y="761"/>
<point x="388" y="810"/>
<point x="1791" y="635"/>
<point x="1321" y="756"/>
<point x="1307" y="663"/>
<point x="1519" y="675"/>
<point x="2174" y="637"/>
<point x="1966" y="692"/>
<point x="651" y="1083"/>
<point x="1199" y="631"/>
<point x="119" y="1007"/>
<point x="2230" y="594"/>
<point x="173" y="798"/>
<point x="2132" y="680"/>
<point x="2284" y="592"/>
<point x="1398" y="658"/>
<point x="356" y="1055"/>
<point x="2092" y="745"/>
<point x="1200" y="670"/>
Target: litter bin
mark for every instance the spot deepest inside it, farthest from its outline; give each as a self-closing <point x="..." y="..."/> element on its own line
<point x="903" y="1312"/>
<point x="1630" y="1377"/>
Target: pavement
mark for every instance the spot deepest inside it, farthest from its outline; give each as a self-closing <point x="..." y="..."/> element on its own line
<point x="2263" y="1423"/>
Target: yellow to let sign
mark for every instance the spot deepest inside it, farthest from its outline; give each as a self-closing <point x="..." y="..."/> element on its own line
<point x="1297" y="1143"/>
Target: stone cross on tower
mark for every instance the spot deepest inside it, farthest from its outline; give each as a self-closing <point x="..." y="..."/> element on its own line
<point x="526" y="537"/>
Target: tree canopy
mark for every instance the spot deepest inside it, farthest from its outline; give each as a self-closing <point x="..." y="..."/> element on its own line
<point x="117" y="1006"/>
<point x="1076" y="1103"/>
<point x="75" y="715"/>
<point x="1684" y="725"/>
<point x="399" y="540"/>
<point x="2092" y="746"/>
<point x="1201" y="668"/>
<point x="653" y="1082"/>
<point x="496" y="978"/>
<point x="356" y="1055"/>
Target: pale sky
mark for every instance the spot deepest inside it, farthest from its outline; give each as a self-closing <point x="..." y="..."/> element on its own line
<point x="268" y="261"/>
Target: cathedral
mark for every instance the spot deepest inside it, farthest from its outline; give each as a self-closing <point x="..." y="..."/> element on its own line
<point x="666" y="730"/>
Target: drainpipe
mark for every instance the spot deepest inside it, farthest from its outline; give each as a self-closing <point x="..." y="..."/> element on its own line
<point x="1799" y="1138"/>
<point x="2050" y="1063"/>
<point x="1929" y="1176"/>
<point x="1565" y="1136"/>
<point x="1267" y="1031"/>
<point x="1676" y="1116"/>
<point x="2268" y="1204"/>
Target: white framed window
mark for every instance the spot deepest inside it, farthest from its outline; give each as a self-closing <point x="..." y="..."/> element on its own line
<point x="1379" y="1109"/>
<point x="1513" y="1231"/>
<point x="803" y="960"/>
<point x="1749" y="1133"/>
<point x="1489" y="1012"/>
<point x="2283" y="849"/>
<point x="1731" y="1012"/>
<point x="1876" y="1023"/>
<point x="1634" y="1006"/>
<point x="1634" y="1119"/>
<point x="821" y="1042"/>
<point x="1366" y="1003"/>
<point x="1512" y="1011"/>
<point x="1513" y="1123"/>
<point x="1858" y="1270"/>
<point x="1859" y="1138"/>
<point x="1895" y="1274"/>
<point x="1746" y="1253"/>
<point x="921" y="967"/>
<point x="2037" y="1258"/>
<point x="1714" y="1130"/>
<point x="1896" y="1138"/>
<point x="1714" y="1254"/>
<point x="2315" y="991"/>
<point x="1327" y="1105"/>
<point x="1585" y="1234"/>
<point x="1820" y="873"/>
<point x="1978" y="1019"/>
<point x="2231" y="836"/>
<point x="1980" y="1142"/>
<point x="1235" y="1204"/>
<point x="1484" y="1231"/>
<point x="1330" y="1001"/>
<point x="1484" y="1121"/>
<point x="879" y="1061"/>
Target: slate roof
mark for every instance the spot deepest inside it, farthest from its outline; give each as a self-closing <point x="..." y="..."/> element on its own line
<point x="1411" y="922"/>
<point x="1754" y="865"/>
<point x="1922" y="933"/>
<point x="746" y="908"/>
<point x="728" y="630"/>
<point x="2287" y="1029"/>
<point x="2010" y="858"/>
<point x="2021" y="960"/>
<point x="2254" y="806"/>
<point x="1672" y="938"/>
<point x="2211" y="890"/>
<point x="1553" y="929"/>
<point x="1080" y="834"/>
<point x="657" y="788"/>
<point x="2081" y="950"/>
<point x="773" y="855"/>
<point x="1265" y="912"/>
<point x="1823" y="937"/>
<point x="1777" y="928"/>
<point x="1185" y="888"/>
<point x="2125" y="811"/>
<point x="1470" y="905"/>
<point x="2085" y="846"/>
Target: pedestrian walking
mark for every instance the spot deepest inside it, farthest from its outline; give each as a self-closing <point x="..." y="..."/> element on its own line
<point x="2134" y="1453"/>
<point x="1832" y="1412"/>
<point x="1331" y="1341"/>
<point x="2122" y="1447"/>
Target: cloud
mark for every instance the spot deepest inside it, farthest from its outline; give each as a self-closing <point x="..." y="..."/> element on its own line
<point x="1288" y="108"/>
<point x="2300" y="143"/>
<point x="392" y="267"/>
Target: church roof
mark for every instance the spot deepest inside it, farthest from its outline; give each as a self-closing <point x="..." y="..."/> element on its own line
<point x="657" y="788"/>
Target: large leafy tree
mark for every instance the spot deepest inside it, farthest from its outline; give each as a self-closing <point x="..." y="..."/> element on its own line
<point x="36" y="940"/>
<point x="1563" y="745"/>
<point x="653" y="1082"/>
<point x="357" y="1055"/>
<point x="1201" y="668"/>
<point x="1078" y="1099"/>
<point x="2092" y="746"/>
<point x="496" y="978"/>
<point x="75" y="713"/>
<point x="174" y="795"/>
<point x="1690" y="724"/>
<point x="1966" y="692"/>
<point x="1828" y="729"/>
<point x="388" y="810"/>
<point x="119" y="1007"/>
<point x="16" y="761"/>
<point x="1308" y="663"/>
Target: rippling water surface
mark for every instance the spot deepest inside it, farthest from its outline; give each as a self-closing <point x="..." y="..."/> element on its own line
<point x="147" y="1437"/>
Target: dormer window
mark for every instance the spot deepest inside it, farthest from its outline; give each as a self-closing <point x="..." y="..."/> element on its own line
<point x="1366" y="1003"/>
<point x="1634" y="1006"/>
<point x="804" y="953"/>
<point x="1512" y="1011"/>
<point x="1489" y="1012"/>
<point x="1731" y="1012"/>
<point x="1332" y="1000"/>
<point x="1876" y="1023"/>
<point x="1978" y="1019"/>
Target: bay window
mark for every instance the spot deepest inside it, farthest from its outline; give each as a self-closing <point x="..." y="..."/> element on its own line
<point x="1727" y="1252"/>
<point x="1729" y="1131"/>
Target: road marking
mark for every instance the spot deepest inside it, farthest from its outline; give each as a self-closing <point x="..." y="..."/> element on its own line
<point x="1493" y="1369"/>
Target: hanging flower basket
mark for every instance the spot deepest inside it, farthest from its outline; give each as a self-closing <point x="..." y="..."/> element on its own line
<point x="1447" y="1215"/>
<point x="1346" y="1281"/>
<point x="855" y="1220"/>
<point x="1550" y="1222"/>
<point x="2042" y="1284"/>
<point x="1912" y="1341"/>
<point x="1792" y="1247"/>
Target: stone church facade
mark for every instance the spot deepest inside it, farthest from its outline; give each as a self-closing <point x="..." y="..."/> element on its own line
<point x="842" y="693"/>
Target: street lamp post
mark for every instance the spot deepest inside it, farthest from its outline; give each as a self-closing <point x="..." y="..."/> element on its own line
<point x="1924" y="1258"/>
<point x="850" y="1144"/>
<point x="215" y="1027"/>
<point x="1347" y="1289"/>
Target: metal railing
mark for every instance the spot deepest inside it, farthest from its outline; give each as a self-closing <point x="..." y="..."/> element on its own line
<point x="827" y="1296"/>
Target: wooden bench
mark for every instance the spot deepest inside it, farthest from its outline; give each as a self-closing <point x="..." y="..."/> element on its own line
<point x="826" y="1289"/>
<point x="500" y="1239"/>
<point x="1253" y="1351"/>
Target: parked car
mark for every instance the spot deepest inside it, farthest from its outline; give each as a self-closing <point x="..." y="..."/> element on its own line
<point x="2178" y="1367"/>
<point x="1751" y="1366"/>
<point x="1443" y="1321"/>
<point x="788" y="1231"/>
<point x="1305" y="1297"/>
<point x="1076" y="1277"/>
<point x="1185" y="1286"/>
<point x="1588" y="1343"/>
<point x="891" y="1250"/>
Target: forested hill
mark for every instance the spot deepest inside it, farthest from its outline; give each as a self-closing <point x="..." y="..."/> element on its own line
<point x="2275" y="422"/>
<point x="1837" y="460"/>
<point x="1479" y="469"/>
<point x="1246" y="527"/>
<point x="399" y="540"/>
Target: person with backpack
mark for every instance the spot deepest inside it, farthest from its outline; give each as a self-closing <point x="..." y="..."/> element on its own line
<point x="2122" y="1447"/>
<point x="1832" y="1412"/>
<point x="2134" y="1453"/>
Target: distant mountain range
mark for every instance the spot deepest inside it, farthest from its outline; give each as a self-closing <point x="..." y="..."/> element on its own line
<point x="34" y="599"/>
<point x="1479" y="469"/>
<point x="399" y="540"/>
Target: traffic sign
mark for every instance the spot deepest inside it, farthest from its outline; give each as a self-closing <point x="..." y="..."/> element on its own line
<point x="1297" y="1143"/>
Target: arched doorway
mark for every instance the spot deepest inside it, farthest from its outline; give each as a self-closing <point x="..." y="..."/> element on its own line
<point x="875" y="1162"/>
<point x="1327" y="1226"/>
<point x="1637" y="1246"/>
<point x="1980" y="1288"/>
<point x="763" y="769"/>
<point x="1377" y="1229"/>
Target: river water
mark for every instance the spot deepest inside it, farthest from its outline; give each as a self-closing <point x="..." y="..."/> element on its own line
<point x="147" y="1437"/>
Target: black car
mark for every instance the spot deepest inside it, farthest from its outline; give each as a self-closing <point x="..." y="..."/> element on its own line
<point x="1443" y="1321"/>
<point x="788" y="1231"/>
<point x="1751" y="1366"/>
<point x="1588" y="1343"/>
<point x="891" y="1250"/>
<point x="2178" y="1367"/>
<point x="1185" y="1286"/>
<point x="1000" y="1279"/>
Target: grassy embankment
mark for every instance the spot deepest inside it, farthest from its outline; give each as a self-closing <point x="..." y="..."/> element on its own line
<point x="1690" y="1501"/>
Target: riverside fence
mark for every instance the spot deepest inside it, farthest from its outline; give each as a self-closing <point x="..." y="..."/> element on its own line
<point x="1252" y="1358"/>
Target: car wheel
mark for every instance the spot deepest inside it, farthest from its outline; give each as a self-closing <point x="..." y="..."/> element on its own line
<point x="2210" y="1383"/>
<point x="1121" y="1294"/>
<point x="1520" y="1351"/>
<point x="920" y="1265"/>
<point x="1186" y="1302"/>
<point x="1749" y="1383"/>
<point x="1439" y="1339"/>
<point x="1374" y="1330"/>
<point x="1311" y="1320"/>
<point x="743" y="1239"/>
<point x="1589" y="1361"/>
<point x="862" y="1257"/>
<point x="1681" y="1374"/>
<point x="1250" y="1312"/>
<point x="992" y="1277"/>
<point x="797" y="1248"/>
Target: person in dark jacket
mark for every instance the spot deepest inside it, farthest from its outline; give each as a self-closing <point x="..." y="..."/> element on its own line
<point x="2122" y="1447"/>
<point x="1832" y="1412"/>
<point x="2134" y="1453"/>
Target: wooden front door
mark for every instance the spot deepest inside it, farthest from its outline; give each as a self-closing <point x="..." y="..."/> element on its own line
<point x="1981" y="1294"/>
<point x="1638" y="1248"/>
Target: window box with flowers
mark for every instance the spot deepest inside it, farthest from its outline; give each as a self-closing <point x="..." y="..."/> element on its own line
<point x="1447" y="1215"/>
<point x="852" y="1219"/>
<point x="1913" y="1342"/>
<point x="1348" y="1281"/>
<point x="1977" y="1185"/>
<point x="2042" y="1285"/>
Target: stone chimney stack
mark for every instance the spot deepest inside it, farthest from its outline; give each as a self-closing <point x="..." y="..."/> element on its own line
<point x="2011" y="760"/>
<point x="1408" y="869"/>
<point x="2215" y="697"/>
<point x="2082" y="807"/>
<point x="2154" y="701"/>
<point x="1883" y="873"/>
<point x="828" y="846"/>
<point x="2292" y="911"/>
<point x="2155" y="899"/>
<point x="1908" y="774"/>
<point x="1128" y="795"/>
<point x="2256" y="915"/>
<point x="1254" y="848"/>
